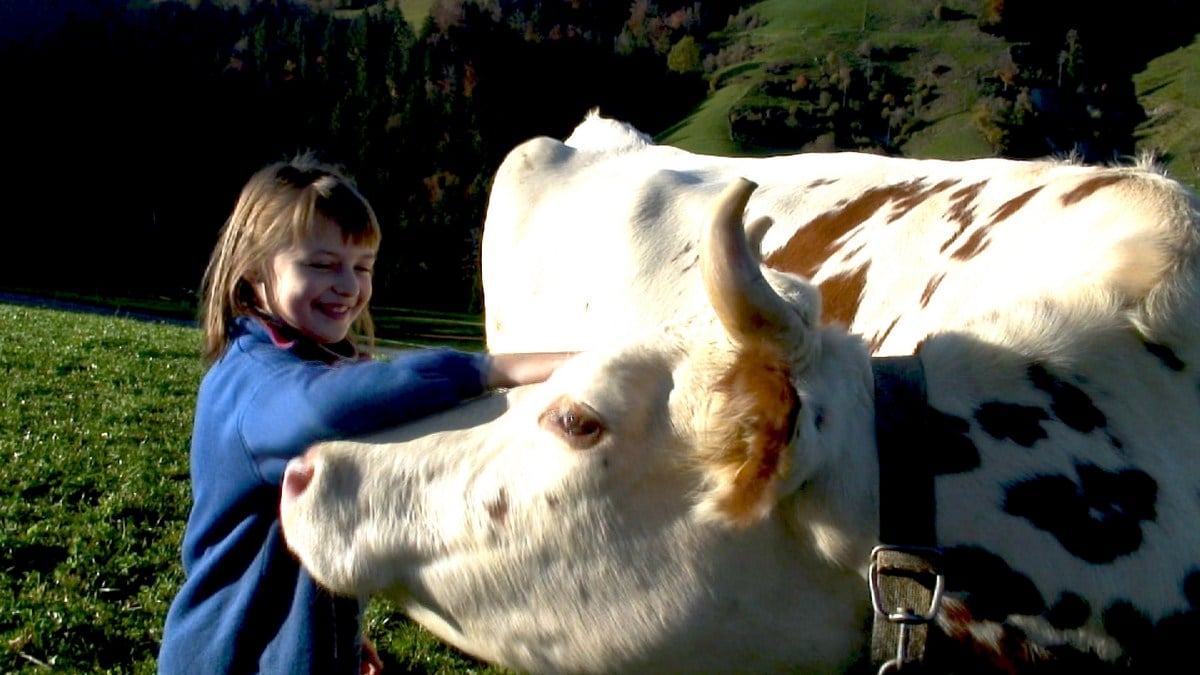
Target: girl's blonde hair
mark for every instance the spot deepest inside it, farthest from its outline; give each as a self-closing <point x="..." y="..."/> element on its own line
<point x="277" y="208"/>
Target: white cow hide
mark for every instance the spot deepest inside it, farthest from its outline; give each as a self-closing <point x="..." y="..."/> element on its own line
<point x="699" y="491"/>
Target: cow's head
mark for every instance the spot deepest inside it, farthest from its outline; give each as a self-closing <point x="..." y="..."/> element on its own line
<point x="663" y="504"/>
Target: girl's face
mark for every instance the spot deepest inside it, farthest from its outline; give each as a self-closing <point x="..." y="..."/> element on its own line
<point x="322" y="283"/>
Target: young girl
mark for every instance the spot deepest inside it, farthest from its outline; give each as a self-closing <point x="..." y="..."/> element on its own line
<point x="284" y="295"/>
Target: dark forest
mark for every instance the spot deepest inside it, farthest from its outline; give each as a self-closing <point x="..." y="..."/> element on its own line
<point x="132" y="124"/>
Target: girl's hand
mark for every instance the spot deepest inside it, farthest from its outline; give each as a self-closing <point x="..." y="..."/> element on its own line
<point x="370" y="663"/>
<point x="511" y="370"/>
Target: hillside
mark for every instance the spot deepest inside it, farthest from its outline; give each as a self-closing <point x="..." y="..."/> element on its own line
<point x="782" y="36"/>
<point x="415" y="11"/>
<point x="1169" y="92"/>
<point x="936" y="49"/>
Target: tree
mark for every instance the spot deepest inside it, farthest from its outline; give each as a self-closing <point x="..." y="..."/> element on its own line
<point x="684" y="57"/>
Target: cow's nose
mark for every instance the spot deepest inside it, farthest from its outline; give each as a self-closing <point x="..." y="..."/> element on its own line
<point x="296" y="477"/>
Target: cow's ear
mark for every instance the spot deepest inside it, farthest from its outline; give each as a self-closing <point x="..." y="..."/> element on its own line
<point x="749" y="427"/>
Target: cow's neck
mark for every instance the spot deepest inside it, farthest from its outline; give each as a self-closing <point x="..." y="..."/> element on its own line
<point x="833" y="495"/>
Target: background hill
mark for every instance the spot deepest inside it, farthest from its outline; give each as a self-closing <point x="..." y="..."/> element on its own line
<point x="1169" y="91"/>
<point x="137" y="120"/>
<point x="960" y="80"/>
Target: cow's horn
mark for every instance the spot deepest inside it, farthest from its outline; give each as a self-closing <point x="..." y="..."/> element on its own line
<point x="745" y="303"/>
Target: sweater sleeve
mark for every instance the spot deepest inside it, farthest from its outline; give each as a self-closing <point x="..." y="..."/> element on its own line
<point x="305" y="402"/>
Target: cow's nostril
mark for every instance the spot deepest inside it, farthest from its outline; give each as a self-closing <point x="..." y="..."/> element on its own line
<point x="296" y="477"/>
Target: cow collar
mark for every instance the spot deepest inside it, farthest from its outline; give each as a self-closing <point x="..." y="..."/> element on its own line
<point x="904" y="575"/>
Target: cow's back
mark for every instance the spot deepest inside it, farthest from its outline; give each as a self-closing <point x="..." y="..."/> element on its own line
<point x="588" y="243"/>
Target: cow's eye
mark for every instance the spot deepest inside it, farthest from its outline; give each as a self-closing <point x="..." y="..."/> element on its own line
<point x="574" y="422"/>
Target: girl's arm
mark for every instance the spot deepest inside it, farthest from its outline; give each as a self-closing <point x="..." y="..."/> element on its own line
<point x="303" y="403"/>
<point x="511" y="370"/>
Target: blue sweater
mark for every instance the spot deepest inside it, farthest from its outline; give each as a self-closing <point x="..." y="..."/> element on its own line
<point x="246" y="605"/>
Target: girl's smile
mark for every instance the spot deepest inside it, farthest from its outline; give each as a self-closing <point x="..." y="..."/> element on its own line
<point x="321" y="283"/>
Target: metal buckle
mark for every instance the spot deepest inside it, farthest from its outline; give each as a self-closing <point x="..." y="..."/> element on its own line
<point x="905" y="617"/>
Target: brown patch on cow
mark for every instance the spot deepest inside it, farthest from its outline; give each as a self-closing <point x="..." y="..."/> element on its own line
<point x="915" y="195"/>
<point x="930" y="288"/>
<point x="750" y="425"/>
<point x="953" y="238"/>
<point x="974" y="244"/>
<point x="687" y="248"/>
<point x="921" y="344"/>
<point x="821" y="182"/>
<point x="1005" y="210"/>
<point x="497" y="508"/>
<point x="962" y="211"/>
<point x="974" y="637"/>
<point x="1089" y="187"/>
<point x="816" y="241"/>
<point x="878" y="339"/>
<point x="841" y="295"/>
<point x="962" y="203"/>
<point x="988" y="646"/>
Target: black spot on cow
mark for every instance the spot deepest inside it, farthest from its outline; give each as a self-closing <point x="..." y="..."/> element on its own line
<point x="1022" y="424"/>
<point x="951" y="449"/>
<point x="1191" y="588"/>
<point x="1067" y="401"/>
<point x="989" y="588"/>
<point x="1127" y="625"/>
<point x="1164" y="354"/>
<point x="1171" y="643"/>
<point x="1156" y="647"/>
<point x="1097" y="519"/>
<point x="1069" y="611"/>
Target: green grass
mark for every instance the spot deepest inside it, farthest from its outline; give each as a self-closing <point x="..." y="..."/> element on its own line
<point x="805" y="31"/>
<point x="95" y="420"/>
<point x="415" y="11"/>
<point x="394" y="326"/>
<point x="1169" y="90"/>
<point x="706" y="130"/>
<point x="94" y="423"/>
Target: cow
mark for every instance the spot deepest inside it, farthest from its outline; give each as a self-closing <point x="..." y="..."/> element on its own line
<point x="599" y="233"/>
<point x="708" y="494"/>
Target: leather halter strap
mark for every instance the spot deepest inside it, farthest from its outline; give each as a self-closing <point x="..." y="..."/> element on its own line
<point x="907" y="505"/>
<point x="904" y="575"/>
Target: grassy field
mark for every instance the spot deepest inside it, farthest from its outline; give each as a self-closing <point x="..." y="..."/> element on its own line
<point x="95" y="420"/>
<point x="394" y="327"/>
